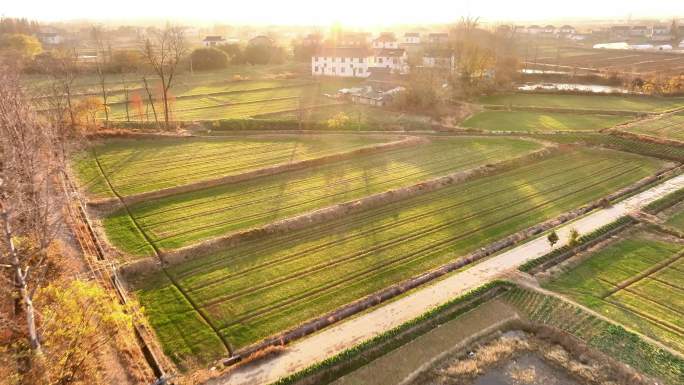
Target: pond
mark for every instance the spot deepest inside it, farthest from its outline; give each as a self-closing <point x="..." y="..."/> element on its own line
<point x="527" y="369"/>
<point x="594" y="88"/>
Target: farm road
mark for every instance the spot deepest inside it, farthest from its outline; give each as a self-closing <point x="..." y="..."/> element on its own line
<point x="347" y="334"/>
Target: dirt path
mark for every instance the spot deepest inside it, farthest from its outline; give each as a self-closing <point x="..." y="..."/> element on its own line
<point x="336" y="339"/>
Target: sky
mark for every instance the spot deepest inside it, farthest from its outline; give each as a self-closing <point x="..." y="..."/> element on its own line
<point x="345" y="12"/>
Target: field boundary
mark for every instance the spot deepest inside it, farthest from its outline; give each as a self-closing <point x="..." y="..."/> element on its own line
<point x="582" y="111"/>
<point x="339" y="210"/>
<point x="105" y="206"/>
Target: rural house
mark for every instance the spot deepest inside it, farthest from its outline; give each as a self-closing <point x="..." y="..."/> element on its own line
<point x="534" y="29"/>
<point x="549" y="30"/>
<point x="437" y="38"/>
<point x="386" y="40"/>
<point x="638" y="31"/>
<point x="661" y="33"/>
<point x="261" y="40"/>
<point x="566" y="31"/>
<point x="213" y="41"/>
<point x="412" y="38"/>
<point x="443" y="59"/>
<point x="394" y="59"/>
<point x="620" y="31"/>
<point x="50" y="38"/>
<point x="341" y="62"/>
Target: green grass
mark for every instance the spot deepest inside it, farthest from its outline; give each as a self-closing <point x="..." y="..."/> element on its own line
<point x="361" y="117"/>
<point x="594" y="281"/>
<point x="184" y="219"/>
<point x="585" y="102"/>
<point x="141" y="165"/>
<point x="541" y="121"/>
<point x="676" y="220"/>
<point x="669" y="127"/>
<point x="264" y="286"/>
<point x="610" y="339"/>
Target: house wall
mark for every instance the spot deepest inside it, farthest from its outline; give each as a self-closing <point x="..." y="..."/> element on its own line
<point x="412" y="39"/>
<point x="346" y="67"/>
<point x="385" y="44"/>
<point x="394" y="63"/>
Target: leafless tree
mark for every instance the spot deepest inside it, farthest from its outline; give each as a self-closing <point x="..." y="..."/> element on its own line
<point x="31" y="198"/>
<point x="164" y="49"/>
<point x="62" y="67"/>
<point x="100" y="63"/>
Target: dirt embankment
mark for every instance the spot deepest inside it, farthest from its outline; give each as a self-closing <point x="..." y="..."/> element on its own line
<point x="347" y="208"/>
<point x="105" y="206"/>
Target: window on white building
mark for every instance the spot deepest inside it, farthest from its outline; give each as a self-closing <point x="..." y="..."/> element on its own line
<point x="343" y="70"/>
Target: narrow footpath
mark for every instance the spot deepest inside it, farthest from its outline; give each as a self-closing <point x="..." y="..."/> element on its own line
<point x="335" y="339"/>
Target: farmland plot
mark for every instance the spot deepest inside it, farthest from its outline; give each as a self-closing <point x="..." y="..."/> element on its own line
<point x="541" y="121"/>
<point x="261" y="287"/>
<point x="585" y="102"/>
<point x="183" y="219"/>
<point x="141" y="165"/>
<point x="638" y="281"/>
<point x="667" y="127"/>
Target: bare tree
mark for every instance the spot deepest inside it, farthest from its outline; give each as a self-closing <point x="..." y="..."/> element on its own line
<point x="164" y="49"/>
<point x="31" y="195"/>
<point x="100" y="63"/>
<point x="62" y="67"/>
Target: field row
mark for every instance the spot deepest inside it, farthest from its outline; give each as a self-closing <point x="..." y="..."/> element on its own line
<point x="261" y="287"/>
<point x="142" y="165"/>
<point x="626" y="282"/>
<point x="668" y="127"/>
<point x="183" y="219"/>
<point x="585" y="102"/>
<point x="527" y="121"/>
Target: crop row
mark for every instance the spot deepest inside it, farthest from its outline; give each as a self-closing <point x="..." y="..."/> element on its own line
<point x="214" y="211"/>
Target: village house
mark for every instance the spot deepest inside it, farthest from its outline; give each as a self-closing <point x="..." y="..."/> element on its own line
<point x="351" y="39"/>
<point x="412" y="38"/>
<point x="639" y="31"/>
<point x="661" y="33"/>
<point x="312" y="39"/>
<point x="50" y="38"/>
<point x="442" y="59"/>
<point x="394" y="59"/>
<point x="620" y="31"/>
<point x="437" y="38"/>
<point x="549" y="30"/>
<point x="351" y="62"/>
<point x="386" y="40"/>
<point x="213" y="41"/>
<point x="261" y="40"/>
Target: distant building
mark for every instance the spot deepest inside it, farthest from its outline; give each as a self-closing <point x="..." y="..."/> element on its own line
<point x="639" y="31"/>
<point x="213" y="41"/>
<point x="534" y="30"/>
<point x="312" y="39"/>
<point x="50" y="38"/>
<point x="352" y="39"/>
<point x="661" y="33"/>
<point x="566" y="31"/>
<point x="350" y="62"/>
<point x="394" y="59"/>
<point x="438" y="38"/>
<point x="261" y="40"/>
<point x="549" y="30"/>
<point x="386" y="40"/>
<point x="412" y="38"/>
<point x="443" y="59"/>
<point x="620" y="31"/>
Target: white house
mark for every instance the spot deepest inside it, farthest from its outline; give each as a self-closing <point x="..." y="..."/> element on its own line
<point x="440" y="59"/>
<point x="396" y="60"/>
<point x="566" y="31"/>
<point x="412" y="38"/>
<point x="50" y="38"/>
<point x="386" y="40"/>
<point x="438" y="38"/>
<point x="213" y="41"/>
<point x="341" y="62"/>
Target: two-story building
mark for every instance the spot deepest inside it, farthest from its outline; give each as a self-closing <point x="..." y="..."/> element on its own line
<point x="351" y="62"/>
<point x="441" y="59"/>
<point x="638" y="31"/>
<point x="412" y="38"/>
<point x="213" y="41"/>
<point x="385" y="40"/>
<point x="394" y="59"/>
<point x="661" y="33"/>
<point x="438" y="38"/>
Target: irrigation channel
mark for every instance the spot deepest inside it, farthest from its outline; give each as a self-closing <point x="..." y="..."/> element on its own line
<point x="346" y="334"/>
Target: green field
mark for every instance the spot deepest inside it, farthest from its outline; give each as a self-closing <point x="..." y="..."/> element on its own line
<point x="585" y="102"/>
<point x="261" y="287"/>
<point x="141" y="165"/>
<point x="184" y="219"/>
<point x="676" y="219"/>
<point x="668" y="127"/>
<point x="541" y="121"/>
<point x="360" y="117"/>
<point x="637" y="281"/>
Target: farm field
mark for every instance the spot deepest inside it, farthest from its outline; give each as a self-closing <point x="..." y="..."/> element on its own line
<point x="627" y="281"/>
<point x="360" y="117"/>
<point x="667" y="127"/>
<point x="585" y="102"/>
<point x="676" y="219"/>
<point x="541" y="121"/>
<point x="261" y="287"/>
<point x="183" y="219"/>
<point x="141" y="165"/>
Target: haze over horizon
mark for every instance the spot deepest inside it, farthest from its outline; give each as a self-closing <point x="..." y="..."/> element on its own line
<point x="350" y="12"/>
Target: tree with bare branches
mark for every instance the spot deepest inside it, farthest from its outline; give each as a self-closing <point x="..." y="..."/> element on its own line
<point x="100" y="64"/>
<point x="164" y="49"/>
<point x="31" y="197"/>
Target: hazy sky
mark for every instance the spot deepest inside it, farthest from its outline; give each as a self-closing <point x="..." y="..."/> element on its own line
<point x="347" y="12"/>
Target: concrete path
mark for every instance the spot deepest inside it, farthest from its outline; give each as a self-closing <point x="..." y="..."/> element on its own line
<point x="346" y="334"/>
